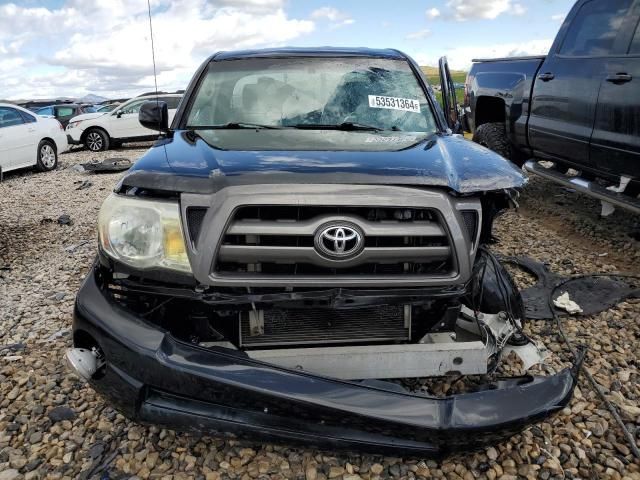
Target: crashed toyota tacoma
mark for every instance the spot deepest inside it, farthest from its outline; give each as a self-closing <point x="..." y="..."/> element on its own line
<point x="307" y="230"/>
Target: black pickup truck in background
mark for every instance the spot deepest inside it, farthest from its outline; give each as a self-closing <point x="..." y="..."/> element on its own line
<point x="578" y="107"/>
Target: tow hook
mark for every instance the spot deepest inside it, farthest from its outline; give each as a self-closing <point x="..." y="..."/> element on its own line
<point x="85" y="362"/>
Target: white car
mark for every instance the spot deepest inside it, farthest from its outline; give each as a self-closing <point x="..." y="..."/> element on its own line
<point x="100" y="131"/>
<point x="28" y="140"/>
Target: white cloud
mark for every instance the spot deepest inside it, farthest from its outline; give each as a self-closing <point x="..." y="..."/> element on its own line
<point x="330" y="13"/>
<point x="460" y="57"/>
<point x="432" y="13"/>
<point x="463" y="10"/>
<point x="419" y="34"/>
<point x="518" y="9"/>
<point x="252" y="5"/>
<point x="61" y="52"/>
<point x="333" y="15"/>
<point x="558" y="17"/>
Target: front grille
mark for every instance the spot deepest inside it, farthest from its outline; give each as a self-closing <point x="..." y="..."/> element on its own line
<point x="279" y="240"/>
<point x="470" y="218"/>
<point x="195" y="217"/>
<point x="324" y="326"/>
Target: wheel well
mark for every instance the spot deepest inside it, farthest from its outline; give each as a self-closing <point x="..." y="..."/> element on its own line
<point x="490" y="110"/>
<point x="52" y="141"/>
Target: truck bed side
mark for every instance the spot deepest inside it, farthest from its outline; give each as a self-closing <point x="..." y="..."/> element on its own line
<point x="499" y="90"/>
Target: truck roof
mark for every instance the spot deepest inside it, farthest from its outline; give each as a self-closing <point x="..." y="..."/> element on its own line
<point x="508" y="59"/>
<point x="311" y="52"/>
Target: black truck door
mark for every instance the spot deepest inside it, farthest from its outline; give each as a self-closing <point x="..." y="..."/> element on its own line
<point x="615" y="144"/>
<point x="566" y="89"/>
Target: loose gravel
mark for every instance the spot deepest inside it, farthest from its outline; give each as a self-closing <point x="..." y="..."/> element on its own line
<point x="52" y="426"/>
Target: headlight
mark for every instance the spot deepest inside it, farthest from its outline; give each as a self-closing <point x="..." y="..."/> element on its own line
<point x="143" y="233"/>
<point x="73" y="124"/>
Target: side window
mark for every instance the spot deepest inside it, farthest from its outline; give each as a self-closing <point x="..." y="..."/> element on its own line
<point x="64" y="111"/>
<point x="45" y="111"/>
<point x="133" y="107"/>
<point x="635" y="43"/>
<point x="172" y="102"/>
<point x="594" y="29"/>
<point x="10" y="117"/>
<point x="27" y="117"/>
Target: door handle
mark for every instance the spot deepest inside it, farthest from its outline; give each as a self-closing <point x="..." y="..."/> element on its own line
<point x="545" y="77"/>
<point x="619" y="78"/>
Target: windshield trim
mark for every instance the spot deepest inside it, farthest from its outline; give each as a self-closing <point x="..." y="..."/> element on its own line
<point x="344" y="127"/>
<point x="182" y="113"/>
<point x="428" y="138"/>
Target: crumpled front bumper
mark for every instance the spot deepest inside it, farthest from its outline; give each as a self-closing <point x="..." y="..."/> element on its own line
<point x="153" y="378"/>
<point x="72" y="141"/>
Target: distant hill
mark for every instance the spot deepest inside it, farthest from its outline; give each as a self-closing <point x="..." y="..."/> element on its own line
<point x="459" y="76"/>
<point x="92" y="98"/>
<point x="433" y="77"/>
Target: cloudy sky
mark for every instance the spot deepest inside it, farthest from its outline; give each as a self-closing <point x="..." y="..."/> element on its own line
<point x="75" y="47"/>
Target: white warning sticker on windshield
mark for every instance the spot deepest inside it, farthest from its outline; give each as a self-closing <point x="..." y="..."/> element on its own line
<point x="394" y="103"/>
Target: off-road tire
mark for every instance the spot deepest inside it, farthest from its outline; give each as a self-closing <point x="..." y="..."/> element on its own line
<point x="494" y="137"/>
<point x="47" y="158"/>
<point x="96" y="140"/>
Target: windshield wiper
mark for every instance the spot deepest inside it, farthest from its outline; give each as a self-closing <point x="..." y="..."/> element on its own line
<point x="233" y="126"/>
<point x="346" y="126"/>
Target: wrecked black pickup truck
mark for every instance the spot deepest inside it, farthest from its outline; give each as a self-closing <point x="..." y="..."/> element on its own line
<point x="307" y="229"/>
<point x="576" y="108"/>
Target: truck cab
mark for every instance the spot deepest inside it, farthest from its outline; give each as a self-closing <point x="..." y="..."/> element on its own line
<point x="578" y="106"/>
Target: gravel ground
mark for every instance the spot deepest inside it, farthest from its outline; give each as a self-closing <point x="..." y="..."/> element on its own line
<point x="53" y="426"/>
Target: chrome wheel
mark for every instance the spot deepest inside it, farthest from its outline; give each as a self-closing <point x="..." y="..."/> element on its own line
<point x="47" y="156"/>
<point x="94" y="142"/>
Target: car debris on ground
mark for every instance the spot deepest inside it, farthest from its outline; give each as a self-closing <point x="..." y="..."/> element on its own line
<point x="563" y="301"/>
<point x="64" y="219"/>
<point x="108" y="165"/>
<point x="83" y="184"/>
<point x="593" y="292"/>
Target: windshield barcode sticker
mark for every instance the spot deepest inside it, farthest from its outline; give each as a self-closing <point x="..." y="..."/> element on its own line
<point x="394" y="103"/>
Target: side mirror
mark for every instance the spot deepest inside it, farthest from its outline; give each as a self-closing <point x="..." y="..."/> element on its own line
<point x="155" y="116"/>
<point x="119" y="113"/>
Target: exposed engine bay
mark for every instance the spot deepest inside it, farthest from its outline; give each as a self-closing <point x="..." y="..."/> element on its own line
<point x="352" y="333"/>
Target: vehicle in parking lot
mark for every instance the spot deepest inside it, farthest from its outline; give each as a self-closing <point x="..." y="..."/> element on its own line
<point x="64" y="112"/>
<point x="28" y="140"/>
<point x="101" y="131"/>
<point x="578" y="106"/>
<point x="307" y="227"/>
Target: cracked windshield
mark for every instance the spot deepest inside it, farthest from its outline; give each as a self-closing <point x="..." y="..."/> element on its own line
<point x="356" y="93"/>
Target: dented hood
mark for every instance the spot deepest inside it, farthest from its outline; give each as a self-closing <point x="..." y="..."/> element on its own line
<point x="207" y="161"/>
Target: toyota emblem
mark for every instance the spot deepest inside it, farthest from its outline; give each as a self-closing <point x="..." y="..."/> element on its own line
<point x="339" y="241"/>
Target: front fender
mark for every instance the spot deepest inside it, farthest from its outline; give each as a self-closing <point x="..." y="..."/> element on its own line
<point x="508" y="83"/>
<point x="510" y="89"/>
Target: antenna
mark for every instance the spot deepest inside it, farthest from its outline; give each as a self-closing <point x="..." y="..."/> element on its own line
<point x="153" y="51"/>
<point x="153" y="57"/>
